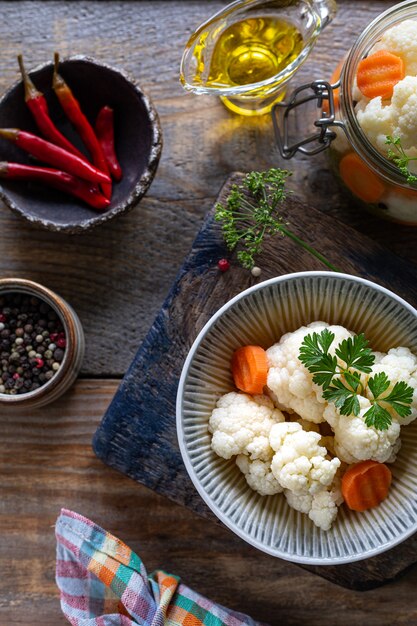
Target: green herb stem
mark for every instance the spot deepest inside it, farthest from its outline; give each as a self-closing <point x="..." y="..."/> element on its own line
<point x="309" y="248"/>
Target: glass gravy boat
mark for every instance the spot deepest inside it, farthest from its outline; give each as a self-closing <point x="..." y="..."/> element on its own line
<point x="247" y="52"/>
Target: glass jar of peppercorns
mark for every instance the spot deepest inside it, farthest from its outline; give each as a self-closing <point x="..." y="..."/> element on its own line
<point x="41" y="344"/>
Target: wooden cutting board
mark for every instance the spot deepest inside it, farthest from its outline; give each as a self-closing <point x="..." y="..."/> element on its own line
<point x="138" y="436"/>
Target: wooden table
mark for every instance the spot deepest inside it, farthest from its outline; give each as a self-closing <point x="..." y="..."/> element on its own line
<point x="116" y="278"/>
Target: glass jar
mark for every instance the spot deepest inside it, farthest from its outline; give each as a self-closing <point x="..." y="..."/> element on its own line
<point x="374" y="180"/>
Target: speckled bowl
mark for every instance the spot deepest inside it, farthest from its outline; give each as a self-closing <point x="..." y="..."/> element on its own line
<point x="261" y="315"/>
<point x="137" y="136"/>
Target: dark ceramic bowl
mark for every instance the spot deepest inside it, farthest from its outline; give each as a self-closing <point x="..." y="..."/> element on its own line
<point x="137" y="137"/>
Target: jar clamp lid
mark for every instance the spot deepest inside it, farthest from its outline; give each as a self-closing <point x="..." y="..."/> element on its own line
<point x="319" y="91"/>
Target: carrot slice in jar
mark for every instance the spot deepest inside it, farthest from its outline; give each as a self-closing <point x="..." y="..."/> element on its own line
<point x="250" y="369"/>
<point x="379" y="73"/>
<point x="360" y="179"/>
<point x="365" y="485"/>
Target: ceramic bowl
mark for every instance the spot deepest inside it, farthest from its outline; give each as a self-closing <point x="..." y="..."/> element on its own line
<point x="261" y="315"/>
<point x="137" y="137"/>
<point x="74" y="351"/>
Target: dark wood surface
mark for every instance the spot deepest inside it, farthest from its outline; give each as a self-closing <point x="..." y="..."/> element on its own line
<point x="53" y="466"/>
<point x="117" y="279"/>
<point x="138" y="433"/>
<point x="119" y="275"/>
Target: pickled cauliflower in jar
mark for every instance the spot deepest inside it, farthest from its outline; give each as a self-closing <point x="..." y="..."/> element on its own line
<point x="385" y="97"/>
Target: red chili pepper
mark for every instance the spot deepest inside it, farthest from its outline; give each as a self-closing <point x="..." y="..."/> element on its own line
<point x="105" y="133"/>
<point x="57" y="179"/>
<point x="74" y="113"/>
<point x="54" y="155"/>
<point x="38" y="106"/>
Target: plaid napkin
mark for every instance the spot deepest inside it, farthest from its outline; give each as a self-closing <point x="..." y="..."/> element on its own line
<point x="104" y="583"/>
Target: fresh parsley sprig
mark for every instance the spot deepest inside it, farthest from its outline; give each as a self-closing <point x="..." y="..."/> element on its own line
<point x="342" y="380"/>
<point x="397" y="155"/>
<point x="251" y="212"/>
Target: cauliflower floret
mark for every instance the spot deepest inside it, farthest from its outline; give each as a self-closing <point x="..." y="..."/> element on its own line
<point x="258" y="475"/>
<point x="404" y="107"/>
<point x="354" y="441"/>
<point x="322" y="507"/>
<point x="241" y="424"/>
<point x="400" y="364"/>
<point x="401" y="40"/>
<point x="398" y="119"/>
<point x="323" y="510"/>
<point x="299" y="462"/>
<point x="377" y="121"/>
<point x="290" y="383"/>
<point x="301" y="502"/>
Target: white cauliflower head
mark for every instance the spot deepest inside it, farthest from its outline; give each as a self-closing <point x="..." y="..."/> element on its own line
<point x="299" y="463"/>
<point x="403" y="110"/>
<point x="289" y="381"/>
<point x="354" y="441"/>
<point x="376" y="120"/>
<point x="401" y="40"/>
<point x="241" y="425"/>
<point x="258" y="475"/>
<point x="322" y="507"/>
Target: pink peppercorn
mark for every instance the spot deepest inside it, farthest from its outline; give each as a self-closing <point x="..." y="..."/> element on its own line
<point x="61" y="342"/>
<point x="53" y="337"/>
<point x="223" y="265"/>
<point x="2" y="318"/>
<point x="39" y="363"/>
<point x="16" y="376"/>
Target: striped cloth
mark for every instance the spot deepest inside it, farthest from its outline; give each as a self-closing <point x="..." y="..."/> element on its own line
<point x="103" y="583"/>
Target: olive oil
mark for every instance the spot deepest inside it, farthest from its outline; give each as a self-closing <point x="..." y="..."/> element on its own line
<point x="253" y="50"/>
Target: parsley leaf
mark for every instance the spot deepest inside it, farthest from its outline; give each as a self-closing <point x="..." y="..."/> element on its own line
<point x="344" y="399"/>
<point x="400" y="398"/>
<point x="250" y="212"/>
<point x="355" y="353"/>
<point x="378" y="417"/>
<point x="378" y="384"/>
<point x="315" y="356"/>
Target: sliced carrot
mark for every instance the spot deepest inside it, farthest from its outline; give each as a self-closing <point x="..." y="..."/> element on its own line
<point x="379" y="73"/>
<point x="250" y="369"/>
<point x="365" y="485"/>
<point x="360" y="179"/>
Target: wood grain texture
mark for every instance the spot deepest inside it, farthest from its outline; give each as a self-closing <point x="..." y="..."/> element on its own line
<point x="138" y="433"/>
<point x="46" y="463"/>
<point x="118" y="276"/>
<point x="117" y="279"/>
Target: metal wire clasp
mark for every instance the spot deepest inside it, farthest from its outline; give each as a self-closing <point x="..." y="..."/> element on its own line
<point x="322" y="91"/>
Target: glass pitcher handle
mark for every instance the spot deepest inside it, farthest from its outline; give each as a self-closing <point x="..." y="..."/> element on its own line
<point x="327" y="9"/>
<point x="320" y="91"/>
